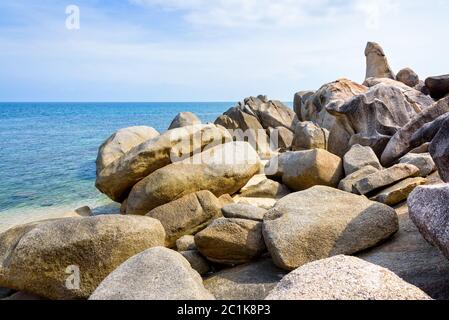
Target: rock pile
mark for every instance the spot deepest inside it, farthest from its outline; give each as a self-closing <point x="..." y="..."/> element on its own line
<point x="267" y="202"/>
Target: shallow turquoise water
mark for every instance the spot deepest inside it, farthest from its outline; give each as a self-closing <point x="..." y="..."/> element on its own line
<point x="48" y="150"/>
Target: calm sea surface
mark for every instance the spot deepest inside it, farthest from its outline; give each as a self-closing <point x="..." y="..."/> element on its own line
<point x="48" y="150"/>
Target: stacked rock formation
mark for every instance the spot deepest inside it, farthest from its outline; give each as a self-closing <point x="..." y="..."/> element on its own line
<point x="268" y="202"/>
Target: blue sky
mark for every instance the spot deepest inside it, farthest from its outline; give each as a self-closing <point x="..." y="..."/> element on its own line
<point x="208" y="50"/>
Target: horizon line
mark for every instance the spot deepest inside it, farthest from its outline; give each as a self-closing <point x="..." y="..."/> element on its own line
<point x="186" y="101"/>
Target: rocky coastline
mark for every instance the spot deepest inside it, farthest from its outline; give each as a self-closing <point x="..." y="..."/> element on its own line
<point x="343" y="197"/>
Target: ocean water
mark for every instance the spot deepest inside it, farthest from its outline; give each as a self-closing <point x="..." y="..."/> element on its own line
<point x="48" y="150"/>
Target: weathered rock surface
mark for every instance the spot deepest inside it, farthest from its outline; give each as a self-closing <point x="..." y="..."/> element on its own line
<point x="372" y="118"/>
<point x="439" y="149"/>
<point x="398" y="192"/>
<point x="35" y="257"/>
<point x="186" y="243"/>
<point x="224" y="169"/>
<point x="197" y="261"/>
<point x="155" y="274"/>
<point x="243" y="211"/>
<point x="251" y="281"/>
<point x="416" y="93"/>
<point x="270" y="113"/>
<point x="187" y="215"/>
<point x="184" y="119"/>
<point x="266" y="188"/>
<point x="245" y="127"/>
<point x="386" y="177"/>
<point x="348" y="183"/>
<point x="231" y="241"/>
<point x="400" y="144"/>
<point x="377" y="65"/>
<point x="428" y="131"/>
<point x="423" y="161"/>
<point x="408" y="77"/>
<point x="438" y="86"/>
<point x="263" y="203"/>
<point x="332" y="94"/>
<point x="344" y="278"/>
<point x="281" y="137"/>
<point x="121" y="142"/>
<point x="300" y="99"/>
<point x="359" y="157"/>
<point x="428" y="210"/>
<point x="412" y="258"/>
<point x="258" y="113"/>
<point x="118" y="178"/>
<point x="424" y="148"/>
<point x="225" y="199"/>
<point x="309" y="136"/>
<point x="301" y="229"/>
<point x="304" y="169"/>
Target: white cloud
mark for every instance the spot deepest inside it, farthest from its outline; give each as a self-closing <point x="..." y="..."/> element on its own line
<point x="375" y="10"/>
<point x="269" y="14"/>
<point x="250" y="13"/>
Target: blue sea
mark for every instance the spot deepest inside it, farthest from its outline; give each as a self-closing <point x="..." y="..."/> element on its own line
<point x="48" y="150"/>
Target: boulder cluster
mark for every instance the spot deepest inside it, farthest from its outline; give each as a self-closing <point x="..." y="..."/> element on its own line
<point x="268" y="202"/>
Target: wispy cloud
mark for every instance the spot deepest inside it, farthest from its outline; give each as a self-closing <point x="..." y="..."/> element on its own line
<point x="208" y="49"/>
<point x="269" y="14"/>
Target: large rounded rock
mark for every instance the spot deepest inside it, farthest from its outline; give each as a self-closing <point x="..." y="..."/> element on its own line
<point x="246" y="127"/>
<point x="264" y="188"/>
<point x="401" y="143"/>
<point x="304" y="169"/>
<point x="377" y="65"/>
<point x="224" y="169"/>
<point x="184" y="119"/>
<point x="423" y="161"/>
<point x="408" y="77"/>
<point x="322" y="222"/>
<point x="43" y="258"/>
<point x="121" y="142"/>
<point x="428" y="210"/>
<point x="438" y="86"/>
<point x="231" y="241"/>
<point x="117" y="179"/>
<point x="332" y="94"/>
<point x="187" y="215"/>
<point x="243" y="211"/>
<point x="252" y="281"/>
<point x="372" y="118"/>
<point x="270" y="113"/>
<point x="344" y="278"/>
<point x="155" y="274"/>
<point x="254" y="117"/>
<point x="359" y="157"/>
<point x="309" y="136"/>
<point x="300" y="99"/>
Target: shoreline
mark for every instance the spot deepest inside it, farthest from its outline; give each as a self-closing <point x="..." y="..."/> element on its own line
<point x="13" y="217"/>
